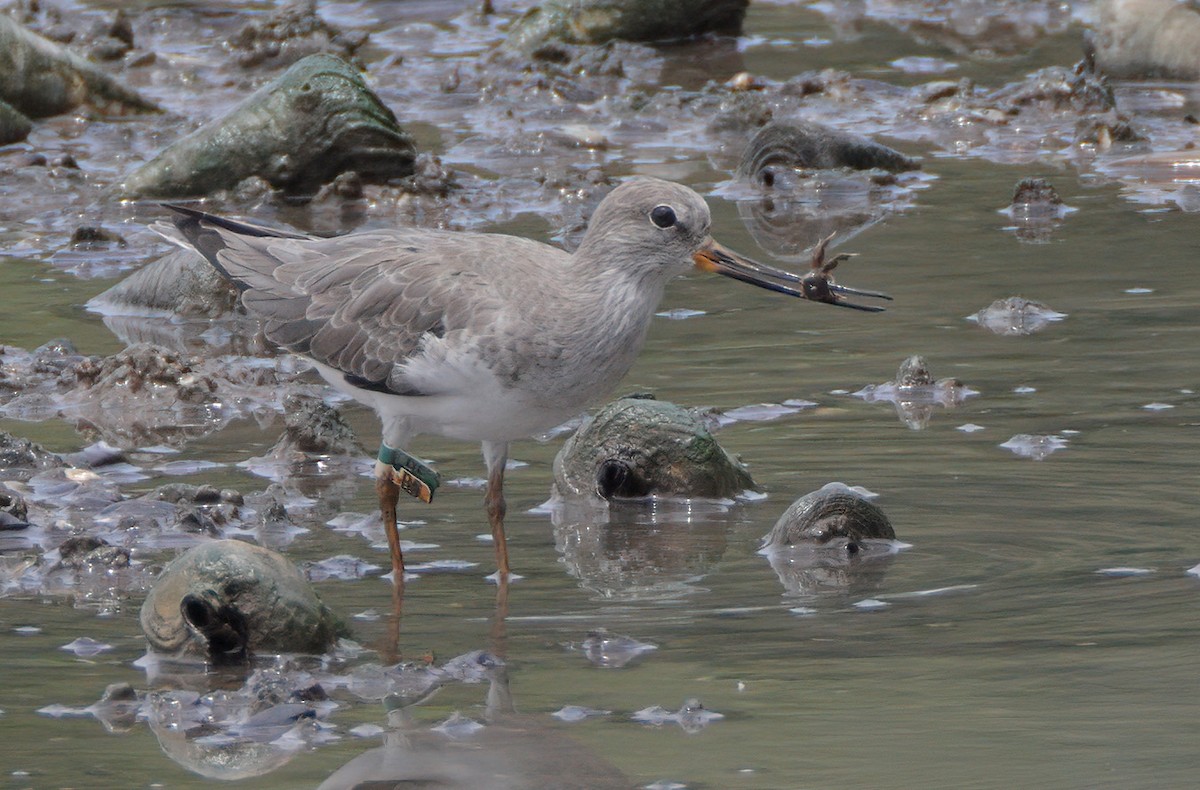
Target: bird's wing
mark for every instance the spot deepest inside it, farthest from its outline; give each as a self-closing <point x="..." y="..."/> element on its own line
<point x="363" y="303"/>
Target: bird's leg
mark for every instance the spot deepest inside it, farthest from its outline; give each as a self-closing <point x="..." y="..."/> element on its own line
<point x="495" y="455"/>
<point x="396" y="471"/>
<point x="389" y="495"/>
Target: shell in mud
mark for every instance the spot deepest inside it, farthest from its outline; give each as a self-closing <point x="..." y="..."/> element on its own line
<point x="317" y="120"/>
<point x="227" y="598"/>
<point x="830" y="516"/>
<point x="637" y="447"/>
<point x="14" y="126"/>
<point x="811" y="146"/>
<point x="598" y="21"/>
<point x="41" y="78"/>
<point x="181" y="282"/>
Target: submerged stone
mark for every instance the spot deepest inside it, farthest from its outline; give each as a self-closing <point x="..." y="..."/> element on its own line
<point x="319" y="119"/>
<point x="40" y="78"/>
<point x="1015" y="315"/>
<point x="637" y="447"/>
<point x="226" y="599"/>
<point x="915" y="393"/>
<point x="599" y="21"/>
<point x="21" y="459"/>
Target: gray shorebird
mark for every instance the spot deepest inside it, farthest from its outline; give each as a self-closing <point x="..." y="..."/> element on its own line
<point x="478" y="336"/>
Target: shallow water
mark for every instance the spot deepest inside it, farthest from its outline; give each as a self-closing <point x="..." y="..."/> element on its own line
<point x="1024" y="664"/>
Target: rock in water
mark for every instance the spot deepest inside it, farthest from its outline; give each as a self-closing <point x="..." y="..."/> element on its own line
<point x="319" y="119"/>
<point x="598" y="21"/>
<point x="41" y="78"/>
<point x="636" y="447"/>
<point x="225" y="599"/>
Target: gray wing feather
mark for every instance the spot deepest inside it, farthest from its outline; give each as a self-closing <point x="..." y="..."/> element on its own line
<point x="364" y="303"/>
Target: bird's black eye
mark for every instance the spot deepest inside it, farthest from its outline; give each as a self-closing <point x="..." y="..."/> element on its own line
<point x="663" y="216"/>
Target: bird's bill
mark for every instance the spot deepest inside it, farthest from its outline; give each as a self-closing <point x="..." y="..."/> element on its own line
<point x="817" y="285"/>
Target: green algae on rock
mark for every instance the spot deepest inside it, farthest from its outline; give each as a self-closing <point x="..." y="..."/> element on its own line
<point x="599" y="21"/>
<point x="637" y="447"/>
<point x="317" y="120"/>
<point x="224" y="599"/>
<point x="40" y="78"/>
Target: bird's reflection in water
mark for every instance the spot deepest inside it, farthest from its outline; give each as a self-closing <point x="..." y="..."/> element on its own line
<point x="506" y="751"/>
<point x="642" y="549"/>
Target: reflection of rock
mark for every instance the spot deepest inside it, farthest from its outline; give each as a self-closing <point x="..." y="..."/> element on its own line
<point x="808" y="187"/>
<point x="830" y="540"/>
<point x="637" y="447"/>
<point x="785" y="224"/>
<point x="1015" y="315"/>
<point x="599" y="21"/>
<point x="241" y="733"/>
<point x="1137" y="39"/>
<point x="317" y="120"/>
<point x="507" y="752"/>
<point x="40" y="78"/>
<point x="642" y="551"/>
<point x="224" y="599"/>
<point x="915" y="393"/>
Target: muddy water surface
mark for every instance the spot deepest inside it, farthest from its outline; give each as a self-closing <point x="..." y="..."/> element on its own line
<point x="1040" y="629"/>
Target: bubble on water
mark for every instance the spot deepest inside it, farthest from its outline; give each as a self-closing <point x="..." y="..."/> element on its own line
<point x="458" y="726"/>
<point x="1120" y="573"/>
<point x="574" y="713"/>
<point x="86" y="646"/>
<point x="680" y="314"/>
